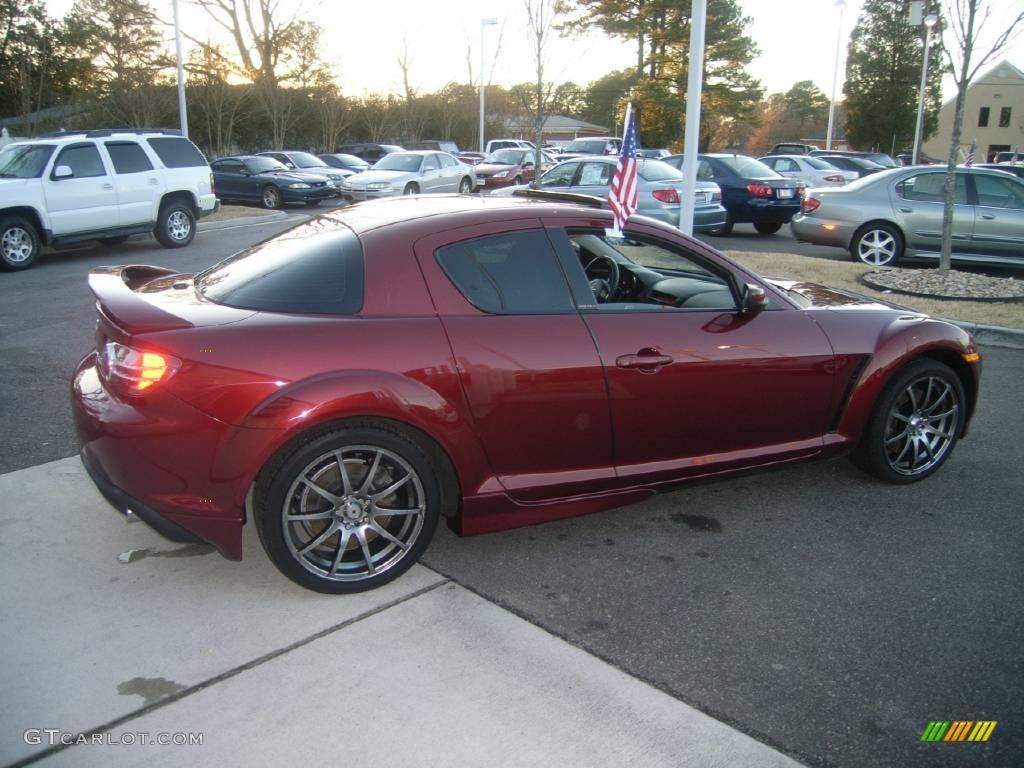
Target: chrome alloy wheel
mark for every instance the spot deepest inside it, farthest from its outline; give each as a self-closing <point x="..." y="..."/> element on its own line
<point x="353" y="513"/>
<point x="17" y="245"/>
<point x="877" y="247"/>
<point x="921" y="426"/>
<point x="179" y="226"/>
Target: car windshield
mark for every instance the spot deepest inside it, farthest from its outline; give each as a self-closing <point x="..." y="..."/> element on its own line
<point x="397" y="161"/>
<point x="656" y="170"/>
<point x="264" y="164"/>
<point x="747" y="166"/>
<point x="590" y="146"/>
<point x="506" y="157"/>
<point x="306" y="160"/>
<point x="820" y="165"/>
<point x="24" y="161"/>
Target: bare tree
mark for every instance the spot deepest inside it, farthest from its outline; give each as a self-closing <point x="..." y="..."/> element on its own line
<point x="967" y="21"/>
<point x="220" y="105"/>
<point x="414" y="118"/>
<point x="539" y="17"/>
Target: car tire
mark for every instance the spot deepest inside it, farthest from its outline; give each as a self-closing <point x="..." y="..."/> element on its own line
<point x="518" y="181"/>
<point x="877" y="244"/>
<point x="119" y="240"/>
<point x="349" y="544"/>
<point x="411" y="188"/>
<point x="725" y="230"/>
<point x="465" y="186"/>
<point x="915" y="424"/>
<point x="19" y="243"/>
<point x="766" y="228"/>
<point x="175" y="225"/>
<point x="270" y="197"/>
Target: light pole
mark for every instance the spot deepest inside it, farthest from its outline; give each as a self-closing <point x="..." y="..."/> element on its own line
<point x="929" y="21"/>
<point x="691" y="133"/>
<point x="182" y="115"/>
<point x="484" y="23"/>
<point x="841" y="5"/>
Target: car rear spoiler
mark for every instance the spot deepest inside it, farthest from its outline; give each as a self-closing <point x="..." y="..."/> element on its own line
<point x="114" y="288"/>
<point x="562" y="197"/>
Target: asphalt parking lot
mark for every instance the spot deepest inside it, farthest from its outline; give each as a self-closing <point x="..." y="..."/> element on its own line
<point x="819" y="612"/>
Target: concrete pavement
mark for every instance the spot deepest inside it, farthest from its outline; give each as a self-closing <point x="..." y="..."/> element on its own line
<point x="111" y="631"/>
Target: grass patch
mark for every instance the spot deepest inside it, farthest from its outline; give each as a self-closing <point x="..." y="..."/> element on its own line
<point x="843" y="274"/>
<point x="227" y="212"/>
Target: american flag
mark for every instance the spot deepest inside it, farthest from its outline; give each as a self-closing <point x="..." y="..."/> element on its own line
<point x="970" y="154"/>
<point x="622" y="198"/>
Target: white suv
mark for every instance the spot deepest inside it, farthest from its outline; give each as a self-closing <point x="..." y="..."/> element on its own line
<point x="100" y="185"/>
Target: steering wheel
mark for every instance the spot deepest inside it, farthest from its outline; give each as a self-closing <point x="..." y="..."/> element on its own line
<point x="604" y="283"/>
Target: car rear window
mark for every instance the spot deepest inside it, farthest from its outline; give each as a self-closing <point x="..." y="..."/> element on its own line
<point x="303" y="271"/>
<point x="656" y="170"/>
<point x="176" y="152"/>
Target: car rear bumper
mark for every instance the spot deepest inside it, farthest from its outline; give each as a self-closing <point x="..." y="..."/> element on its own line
<point x="763" y="211"/>
<point x="208" y="204"/>
<point x="821" y="231"/>
<point x="159" y="458"/>
<point x="705" y="218"/>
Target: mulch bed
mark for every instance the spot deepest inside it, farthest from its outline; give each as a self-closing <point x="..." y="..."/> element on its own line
<point x="955" y="285"/>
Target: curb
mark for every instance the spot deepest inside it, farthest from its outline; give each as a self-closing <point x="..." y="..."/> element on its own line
<point x="992" y="335"/>
<point x="206" y="226"/>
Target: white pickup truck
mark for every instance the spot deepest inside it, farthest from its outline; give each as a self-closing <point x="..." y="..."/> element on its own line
<point x="100" y="185"/>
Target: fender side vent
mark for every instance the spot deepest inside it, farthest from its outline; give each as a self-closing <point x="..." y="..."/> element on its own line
<point x="855" y="372"/>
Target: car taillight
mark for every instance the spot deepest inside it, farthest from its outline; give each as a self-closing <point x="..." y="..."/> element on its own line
<point x="134" y="370"/>
<point x="213" y="187"/>
<point x="666" y="195"/>
<point x="716" y="197"/>
<point x="835" y="178"/>
<point x="809" y="205"/>
<point x="759" y="190"/>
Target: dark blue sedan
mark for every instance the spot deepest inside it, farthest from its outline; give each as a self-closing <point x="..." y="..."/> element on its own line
<point x="247" y="178"/>
<point x="752" y="193"/>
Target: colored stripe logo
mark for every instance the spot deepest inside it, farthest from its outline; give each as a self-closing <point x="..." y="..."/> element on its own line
<point x="958" y="730"/>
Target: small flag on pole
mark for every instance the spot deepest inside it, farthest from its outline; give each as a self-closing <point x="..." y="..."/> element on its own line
<point x="622" y="197"/>
<point x="970" y="154"/>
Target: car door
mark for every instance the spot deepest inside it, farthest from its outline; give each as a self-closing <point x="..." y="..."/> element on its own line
<point x="560" y="178"/>
<point x="86" y="201"/>
<point x="233" y="180"/>
<point x="530" y="371"/>
<point x="451" y="172"/>
<point x="139" y="185"/>
<point x="703" y="387"/>
<point x="918" y="202"/>
<point x="594" y="178"/>
<point x="998" y="218"/>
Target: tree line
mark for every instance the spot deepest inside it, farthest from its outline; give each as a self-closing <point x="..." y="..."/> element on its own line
<point x="106" y="63"/>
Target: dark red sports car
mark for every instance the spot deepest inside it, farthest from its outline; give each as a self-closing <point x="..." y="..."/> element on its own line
<point x="494" y="361"/>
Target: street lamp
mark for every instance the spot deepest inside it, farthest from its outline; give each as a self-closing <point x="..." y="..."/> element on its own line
<point x="929" y="21"/>
<point x="484" y="23"/>
<point x="182" y="115"/>
<point x="841" y="5"/>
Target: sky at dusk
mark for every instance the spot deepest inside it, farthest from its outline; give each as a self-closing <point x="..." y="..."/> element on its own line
<point x="363" y="41"/>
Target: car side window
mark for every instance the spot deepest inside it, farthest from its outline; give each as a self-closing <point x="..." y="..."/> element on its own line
<point x="595" y="174"/>
<point x="430" y="163"/>
<point x="999" y="193"/>
<point x="928" y="188"/>
<point x="704" y="170"/>
<point x="559" y="176"/>
<point x="512" y="273"/>
<point x="229" y="166"/>
<point x="83" y="159"/>
<point x="128" y="157"/>
<point x="448" y="161"/>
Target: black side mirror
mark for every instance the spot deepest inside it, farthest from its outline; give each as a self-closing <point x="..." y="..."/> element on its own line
<point x="754" y="298"/>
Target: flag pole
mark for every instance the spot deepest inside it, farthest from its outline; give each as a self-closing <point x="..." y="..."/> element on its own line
<point x="692" y="133"/>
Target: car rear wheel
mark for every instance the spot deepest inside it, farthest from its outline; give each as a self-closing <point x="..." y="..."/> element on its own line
<point x="877" y="245"/>
<point x="766" y="228"/>
<point x="19" y="243"/>
<point x="465" y="186"/>
<point x="348" y="510"/>
<point x="915" y="424"/>
<point x="271" y="198"/>
<point x="175" y="226"/>
<point x="411" y="189"/>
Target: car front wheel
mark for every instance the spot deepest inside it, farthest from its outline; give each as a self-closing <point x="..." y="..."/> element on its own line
<point x="175" y="226"/>
<point x="19" y="243"/>
<point x="271" y="197"/>
<point x="915" y="425"/>
<point x="877" y="245"/>
<point x="348" y="510"/>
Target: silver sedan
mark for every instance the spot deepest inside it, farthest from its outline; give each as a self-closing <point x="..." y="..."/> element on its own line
<point x="410" y="173"/>
<point x="898" y="214"/>
<point x="815" y="171"/>
<point x="658" y="188"/>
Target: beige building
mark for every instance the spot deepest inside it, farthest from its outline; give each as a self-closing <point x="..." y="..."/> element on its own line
<point x="993" y="116"/>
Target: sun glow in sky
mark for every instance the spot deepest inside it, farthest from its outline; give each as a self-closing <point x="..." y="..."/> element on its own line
<point x="364" y="40"/>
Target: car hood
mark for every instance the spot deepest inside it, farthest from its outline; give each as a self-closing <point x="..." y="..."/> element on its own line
<point x="495" y="167"/>
<point x="815" y="296"/>
<point x="373" y="175"/>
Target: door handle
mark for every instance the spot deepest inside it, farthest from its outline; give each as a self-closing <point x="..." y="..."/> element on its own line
<point x="107" y="186"/>
<point x="649" y="359"/>
<point x="906" y="210"/>
<point x="154" y="182"/>
<point x="988" y="216"/>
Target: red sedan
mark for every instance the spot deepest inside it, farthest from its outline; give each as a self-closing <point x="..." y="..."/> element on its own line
<point x="506" y="167"/>
<point x="494" y="361"/>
